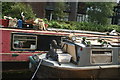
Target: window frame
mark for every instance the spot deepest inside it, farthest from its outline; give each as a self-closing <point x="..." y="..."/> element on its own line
<point x="26" y="35"/>
<point x="101" y="50"/>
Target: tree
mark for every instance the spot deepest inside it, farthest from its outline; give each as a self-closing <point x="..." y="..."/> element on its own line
<point x="99" y="12"/>
<point x="15" y="9"/>
<point x="6" y="8"/>
<point x="59" y="7"/>
<point x="73" y="11"/>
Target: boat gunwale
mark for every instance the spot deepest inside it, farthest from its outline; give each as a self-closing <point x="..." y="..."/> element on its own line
<point x="86" y="68"/>
<point x="89" y="67"/>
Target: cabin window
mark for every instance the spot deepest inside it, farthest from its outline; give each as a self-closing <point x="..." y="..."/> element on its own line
<point x="101" y="56"/>
<point x="23" y="41"/>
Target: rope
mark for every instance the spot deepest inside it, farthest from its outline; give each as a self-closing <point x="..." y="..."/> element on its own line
<point x="36" y="69"/>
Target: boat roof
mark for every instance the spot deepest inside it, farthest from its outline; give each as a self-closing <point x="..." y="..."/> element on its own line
<point x="91" y="35"/>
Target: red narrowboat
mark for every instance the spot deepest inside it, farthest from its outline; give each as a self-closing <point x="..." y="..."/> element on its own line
<point x="17" y="44"/>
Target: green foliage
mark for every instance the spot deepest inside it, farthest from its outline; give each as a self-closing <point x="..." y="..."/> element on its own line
<point x="0" y="9"/>
<point x="100" y="11"/>
<point x="16" y="9"/>
<point x="88" y="26"/>
<point x="6" y="8"/>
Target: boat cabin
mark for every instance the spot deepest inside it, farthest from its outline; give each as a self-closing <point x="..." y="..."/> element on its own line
<point x="18" y="44"/>
<point x="91" y="51"/>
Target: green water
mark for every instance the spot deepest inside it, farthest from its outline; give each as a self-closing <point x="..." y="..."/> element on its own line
<point x="17" y="75"/>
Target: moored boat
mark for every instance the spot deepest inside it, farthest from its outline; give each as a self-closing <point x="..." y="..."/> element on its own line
<point x="90" y="58"/>
<point x="18" y="44"/>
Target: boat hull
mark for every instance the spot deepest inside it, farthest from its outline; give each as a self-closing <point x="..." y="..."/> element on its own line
<point x="45" y="71"/>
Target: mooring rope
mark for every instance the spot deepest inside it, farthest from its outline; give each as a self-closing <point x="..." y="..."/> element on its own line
<point x="36" y="69"/>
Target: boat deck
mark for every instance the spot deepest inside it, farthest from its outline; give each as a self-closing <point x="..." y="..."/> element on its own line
<point x="71" y="65"/>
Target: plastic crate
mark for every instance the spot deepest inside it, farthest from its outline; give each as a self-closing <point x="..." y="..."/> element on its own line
<point x="64" y="58"/>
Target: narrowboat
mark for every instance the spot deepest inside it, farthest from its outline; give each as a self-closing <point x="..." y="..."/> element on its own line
<point x="16" y="44"/>
<point x="79" y="57"/>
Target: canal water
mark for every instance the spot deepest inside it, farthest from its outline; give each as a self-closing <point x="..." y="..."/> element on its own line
<point x="16" y="71"/>
<point x="17" y="75"/>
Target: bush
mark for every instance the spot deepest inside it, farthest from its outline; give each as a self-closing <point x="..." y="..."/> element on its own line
<point x="87" y="26"/>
